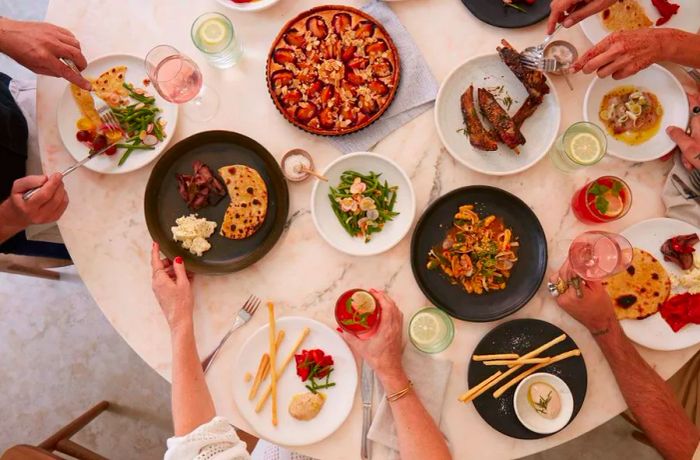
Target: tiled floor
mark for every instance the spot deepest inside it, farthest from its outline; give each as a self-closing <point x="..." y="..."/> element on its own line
<point x="59" y="356"/>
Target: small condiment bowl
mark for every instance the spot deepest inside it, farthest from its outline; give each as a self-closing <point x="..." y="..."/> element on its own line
<point x="569" y="46"/>
<point x="294" y="152"/>
<point x="529" y="417"/>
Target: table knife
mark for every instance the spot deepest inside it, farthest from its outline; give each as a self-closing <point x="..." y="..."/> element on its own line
<point x="28" y="194"/>
<point x="685" y="189"/>
<point x="366" y="389"/>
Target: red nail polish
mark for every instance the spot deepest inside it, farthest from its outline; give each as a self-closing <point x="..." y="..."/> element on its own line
<point x="178" y="260"/>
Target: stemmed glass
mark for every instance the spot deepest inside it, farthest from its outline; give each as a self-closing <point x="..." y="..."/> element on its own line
<point x="177" y="79"/>
<point x="597" y="255"/>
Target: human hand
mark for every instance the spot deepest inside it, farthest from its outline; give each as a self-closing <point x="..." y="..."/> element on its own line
<point x="593" y="309"/>
<point x="688" y="144"/>
<point x="623" y="53"/>
<point x="570" y="12"/>
<point x="46" y="205"/>
<point x="39" y="45"/>
<point x="382" y="351"/>
<point x="172" y="288"/>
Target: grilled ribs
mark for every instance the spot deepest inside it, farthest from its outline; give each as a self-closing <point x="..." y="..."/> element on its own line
<point x="535" y="82"/>
<point x="478" y="136"/>
<point x="504" y="125"/>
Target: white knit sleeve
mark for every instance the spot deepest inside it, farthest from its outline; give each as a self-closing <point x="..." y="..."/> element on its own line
<point x="216" y="440"/>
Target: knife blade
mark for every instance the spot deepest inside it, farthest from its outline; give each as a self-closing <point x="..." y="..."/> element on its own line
<point x="92" y="154"/>
<point x="685" y="188"/>
<point x="366" y="389"/>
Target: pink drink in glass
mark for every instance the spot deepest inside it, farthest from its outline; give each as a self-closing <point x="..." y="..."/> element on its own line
<point x="178" y="79"/>
<point x="597" y="255"/>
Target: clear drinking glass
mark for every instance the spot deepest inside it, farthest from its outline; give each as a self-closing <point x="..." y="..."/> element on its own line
<point x="213" y="34"/>
<point x="582" y="144"/>
<point x="431" y="330"/>
<point x="597" y="255"/>
<point x="178" y="79"/>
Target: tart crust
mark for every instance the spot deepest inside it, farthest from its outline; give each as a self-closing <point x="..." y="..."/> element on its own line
<point x="333" y="70"/>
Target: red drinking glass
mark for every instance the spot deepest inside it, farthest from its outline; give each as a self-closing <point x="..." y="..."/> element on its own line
<point x="358" y="312"/>
<point x="605" y="199"/>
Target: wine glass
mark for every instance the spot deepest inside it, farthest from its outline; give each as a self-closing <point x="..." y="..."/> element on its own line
<point x="177" y="79"/>
<point x="597" y="255"/>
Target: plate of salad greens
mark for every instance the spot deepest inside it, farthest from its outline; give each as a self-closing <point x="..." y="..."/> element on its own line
<point x="366" y="207"/>
<point x="147" y="120"/>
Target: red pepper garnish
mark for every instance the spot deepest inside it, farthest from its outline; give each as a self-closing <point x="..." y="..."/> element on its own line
<point x="314" y="364"/>
<point x="666" y="10"/>
<point x="681" y="310"/>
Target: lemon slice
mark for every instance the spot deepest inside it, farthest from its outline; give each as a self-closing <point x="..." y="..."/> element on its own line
<point x="615" y="205"/>
<point x="212" y="31"/>
<point x="585" y="148"/>
<point x="425" y="328"/>
<point x="363" y="302"/>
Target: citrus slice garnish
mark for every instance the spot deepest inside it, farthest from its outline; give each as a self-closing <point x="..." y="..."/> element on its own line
<point x="424" y="328"/>
<point x="585" y="148"/>
<point x="212" y="32"/>
<point x="363" y="302"/>
<point x="615" y="204"/>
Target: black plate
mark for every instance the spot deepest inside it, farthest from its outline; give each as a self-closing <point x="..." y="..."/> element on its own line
<point x="521" y="336"/>
<point x="527" y="274"/>
<point x="163" y="204"/>
<point x="494" y="12"/>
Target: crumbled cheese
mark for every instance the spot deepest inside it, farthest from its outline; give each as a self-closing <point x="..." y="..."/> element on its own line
<point x="192" y="232"/>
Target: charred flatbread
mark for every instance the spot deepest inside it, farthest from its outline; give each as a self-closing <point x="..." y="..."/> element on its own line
<point x="248" y="209"/>
<point x="640" y="290"/>
<point x="110" y="86"/>
<point x="625" y="15"/>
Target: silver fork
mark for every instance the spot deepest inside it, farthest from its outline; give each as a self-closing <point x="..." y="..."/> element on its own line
<point x="541" y="64"/>
<point x="536" y="53"/>
<point x="243" y="316"/>
<point x="107" y="118"/>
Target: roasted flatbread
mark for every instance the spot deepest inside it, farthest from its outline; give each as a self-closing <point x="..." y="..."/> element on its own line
<point x="110" y="86"/>
<point x="248" y="209"/>
<point x="625" y="15"/>
<point x="86" y="105"/>
<point x="640" y="290"/>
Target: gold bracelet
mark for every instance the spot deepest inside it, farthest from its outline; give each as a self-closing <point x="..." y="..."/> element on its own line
<point x="400" y="394"/>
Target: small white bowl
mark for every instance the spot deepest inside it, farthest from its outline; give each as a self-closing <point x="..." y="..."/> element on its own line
<point x="393" y="232"/>
<point x="252" y="6"/>
<point x="527" y="414"/>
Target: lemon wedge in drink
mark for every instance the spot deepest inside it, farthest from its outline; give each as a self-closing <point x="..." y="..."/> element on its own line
<point x="585" y="148"/>
<point x="425" y="328"/>
<point x="212" y="31"/>
<point x="363" y="302"/>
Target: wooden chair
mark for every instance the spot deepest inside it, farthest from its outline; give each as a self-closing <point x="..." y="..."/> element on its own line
<point x="60" y="441"/>
<point x="38" y="267"/>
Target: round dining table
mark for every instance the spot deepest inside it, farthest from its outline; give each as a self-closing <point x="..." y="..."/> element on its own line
<point x="105" y="231"/>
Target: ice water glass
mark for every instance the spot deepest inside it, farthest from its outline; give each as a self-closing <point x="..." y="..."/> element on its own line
<point x="213" y="34"/>
<point x="582" y="144"/>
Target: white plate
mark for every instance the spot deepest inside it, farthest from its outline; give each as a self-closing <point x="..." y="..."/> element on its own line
<point x="686" y="19"/>
<point x="256" y="5"/>
<point x="531" y="419"/>
<point x="68" y="114"/>
<point x="671" y="96"/>
<point x="327" y="223"/>
<point x="654" y="332"/>
<point x="540" y="130"/>
<point x="340" y="398"/>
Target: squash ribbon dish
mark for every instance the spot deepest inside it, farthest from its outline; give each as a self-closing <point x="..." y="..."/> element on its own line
<point x="477" y="254"/>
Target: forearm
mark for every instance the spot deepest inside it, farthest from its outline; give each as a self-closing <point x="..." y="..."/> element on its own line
<point x="8" y="225"/>
<point x="416" y="430"/>
<point x="679" y="47"/>
<point x="649" y="398"/>
<point x="192" y="404"/>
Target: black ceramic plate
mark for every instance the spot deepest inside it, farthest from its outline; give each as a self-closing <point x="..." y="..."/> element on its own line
<point x="521" y="336"/>
<point x="527" y="273"/>
<point x="163" y="203"/>
<point x="497" y="14"/>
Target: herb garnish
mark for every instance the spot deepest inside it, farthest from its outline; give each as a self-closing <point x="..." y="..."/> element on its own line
<point x="599" y="191"/>
<point x="543" y="403"/>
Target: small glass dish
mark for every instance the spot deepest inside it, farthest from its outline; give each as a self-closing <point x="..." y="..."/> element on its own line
<point x="296" y="157"/>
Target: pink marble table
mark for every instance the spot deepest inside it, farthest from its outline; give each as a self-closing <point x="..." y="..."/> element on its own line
<point x="105" y="230"/>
